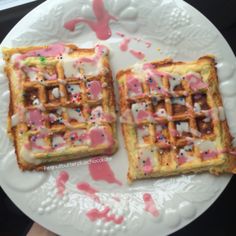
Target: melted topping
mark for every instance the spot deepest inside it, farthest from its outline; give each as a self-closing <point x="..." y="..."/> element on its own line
<point x="134" y="86"/>
<point x="139" y="111"/>
<point x="100" y="26"/>
<point x="195" y="81"/>
<point x="150" y="205"/>
<point x="94" y="90"/>
<point x="184" y="156"/>
<point x="35" y="118"/>
<point x="99" y="169"/>
<point x="146" y="160"/>
<point x="79" y="137"/>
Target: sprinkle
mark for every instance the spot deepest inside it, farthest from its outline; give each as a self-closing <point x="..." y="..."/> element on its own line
<point x="42" y="59"/>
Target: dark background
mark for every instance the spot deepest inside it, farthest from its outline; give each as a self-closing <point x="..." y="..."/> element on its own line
<point x="219" y="219"/>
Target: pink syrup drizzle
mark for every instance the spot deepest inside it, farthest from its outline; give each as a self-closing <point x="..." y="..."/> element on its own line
<point x="97" y="136"/>
<point x="138" y="54"/>
<point x="50" y="77"/>
<point x="61" y="180"/>
<point x="35" y="118"/>
<point x="89" y="190"/>
<point x="195" y="82"/>
<point x="51" y="51"/>
<point x="134" y="85"/>
<point x="82" y="137"/>
<point x="150" y="205"/>
<point x="147" y="167"/>
<point x="209" y="154"/>
<point x="142" y="115"/>
<point x="95" y="89"/>
<point x="153" y="71"/>
<point x="124" y="45"/>
<point x="30" y="69"/>
<point x="181" y="160"/>
<point x="94" y="214"/>
<point x="99" y="49"/>
<point x="100" y="170"/>
<point x="100" y="26"/>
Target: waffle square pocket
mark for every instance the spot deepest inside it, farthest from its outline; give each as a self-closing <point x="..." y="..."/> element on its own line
<point x="62" y="104"/>
<point x="173" y="119"/>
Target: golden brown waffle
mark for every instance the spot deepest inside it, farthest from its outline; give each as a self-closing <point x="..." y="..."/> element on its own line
<point x="62" y="103"/>
<point x="172" y="119"/>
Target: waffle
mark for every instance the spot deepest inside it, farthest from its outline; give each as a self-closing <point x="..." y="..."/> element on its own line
<point x="62" y="104"/>
<point x="173" y="120"/>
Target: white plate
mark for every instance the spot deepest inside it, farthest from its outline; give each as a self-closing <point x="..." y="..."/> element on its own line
<point x="178" y="31"/>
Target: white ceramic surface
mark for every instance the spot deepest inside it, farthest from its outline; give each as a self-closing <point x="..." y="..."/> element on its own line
<point x="179" y="31"/>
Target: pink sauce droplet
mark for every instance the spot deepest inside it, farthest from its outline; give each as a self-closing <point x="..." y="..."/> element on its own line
<point x="35" y="118"/>
<point x="50" y="77"/>
<point x="134" y="85"/>
<point x="138" y="54"/>
<point x="95" y="89"/>
<point x="94" y="214"/>
<point x="100" y="26"/>
<point x="147" y="167"/>
<point x="97" y="137"/>
<point x="61" y="180"/>
<point x="195" y="82"/>
<point x="89" y="190"/>
<point x="209" y="155"/>
<point x="150" y="204"/>
<point x="142" y="115"/>
<point x="124" y="44"/>
<point x="182" y="160"/>
<point x="100" y="170"/>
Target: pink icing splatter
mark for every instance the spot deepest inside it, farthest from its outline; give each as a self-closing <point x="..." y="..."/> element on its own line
<point x="124" y="44"/>
<point x="209" y="154"/>
<point x="30" y="69"/>
<point x="154" y="72"/>
<point x="195" y="82"/>
<point x="35" y="118"/>
<point x="150" y="205"/>
<point x="99" y="49"/>
<point x="134" y="85"/>
<point x="126" y="41"/>
<point x="94" y="214"/>
<point x="95" y="89"/>
<point x="147" y="167"/>
<point x="138" y="54"/>
<point x="50" y="77"/>
<point x="61" y="180"/>
<point x="81" y="137"/>
<point x="142" y="115"/>
<point x="181" y="160"/>
<point x="89" y="190"/>
<point x="97" y="136"/>
<point x="51" y="51"/>
<point x="100" y="170"/>
<point x="100" y="26"/>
